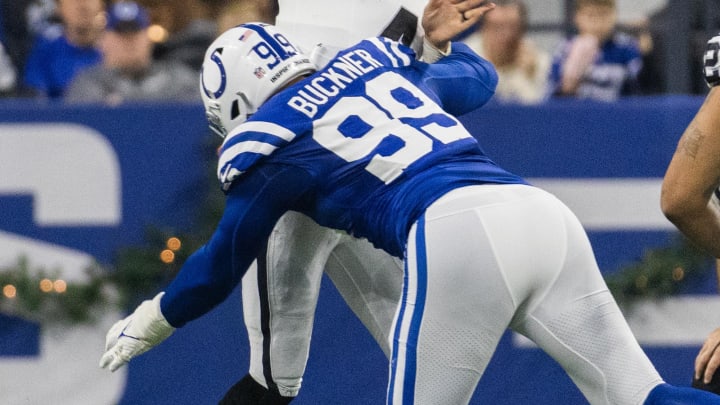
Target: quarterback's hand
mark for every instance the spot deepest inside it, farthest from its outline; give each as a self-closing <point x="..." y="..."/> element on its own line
<point x="137" y="333"/>
<point x="711" y="61"/>
<point x="443" y="20"/>
<point x="708" y="360"/>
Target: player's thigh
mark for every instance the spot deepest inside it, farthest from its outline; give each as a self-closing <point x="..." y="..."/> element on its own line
<point x="291" y="272"/>
<point x="576" y="321"/>
<point x="370" y="281"/>
<point x="456" y="303"/>
<point x="355" y="264"/>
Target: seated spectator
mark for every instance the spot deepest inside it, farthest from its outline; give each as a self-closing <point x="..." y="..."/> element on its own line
<point x="128" y="71"/>
<point x="522" y="68"/>
<point x="598" y="63"/>
<point x="64" y="50"/>
<point x="22" y="22"/>
<point x="191" y="28"/>
<point x="8" y="75"/>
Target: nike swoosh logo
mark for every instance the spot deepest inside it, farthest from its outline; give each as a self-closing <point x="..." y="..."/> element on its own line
<point x="126" y="335"/>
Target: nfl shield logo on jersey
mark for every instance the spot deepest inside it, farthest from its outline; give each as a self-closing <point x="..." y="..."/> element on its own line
<point x="259" y="72"/>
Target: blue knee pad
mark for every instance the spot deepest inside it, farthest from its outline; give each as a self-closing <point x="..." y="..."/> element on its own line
<point x="666" y="394"/>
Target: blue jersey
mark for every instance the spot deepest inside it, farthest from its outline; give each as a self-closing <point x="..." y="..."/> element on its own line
<point x="364" y="145"/>
<point x="613" y="74"/>
<point x="371" y="130"/>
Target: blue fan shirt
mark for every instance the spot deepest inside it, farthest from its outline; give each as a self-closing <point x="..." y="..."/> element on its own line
<point x="53" y="63"/>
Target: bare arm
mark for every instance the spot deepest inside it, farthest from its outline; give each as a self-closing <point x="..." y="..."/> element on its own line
<point x="692" y="177"/>
<point x="443" y="20"/>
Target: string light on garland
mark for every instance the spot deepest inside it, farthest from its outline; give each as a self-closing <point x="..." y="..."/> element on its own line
<point x="46" y="285"/>
<point x="9" y="291"/>
<point x="678" y="274"/>
<point x="167" y="256"/>
<point x="174" y="244"/>
<point x="60" y="286"/>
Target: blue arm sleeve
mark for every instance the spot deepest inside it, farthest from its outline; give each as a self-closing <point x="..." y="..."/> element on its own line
<point x="462" y="80"/>
<point x="254" y="204"/>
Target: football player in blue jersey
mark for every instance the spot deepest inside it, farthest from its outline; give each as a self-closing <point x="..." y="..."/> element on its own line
<point x="689" y="195"/>
<point x="366" y="145"/>
<point x="280" y="290"/>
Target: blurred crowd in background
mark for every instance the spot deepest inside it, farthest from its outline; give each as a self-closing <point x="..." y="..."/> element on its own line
<point x="100" y="51"/>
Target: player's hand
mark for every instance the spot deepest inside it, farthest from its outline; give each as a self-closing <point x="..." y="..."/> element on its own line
<point x="711" y="61"/>
<point x="708" y="360"/>
<point x="137" y="333"/>
<point x="443" y="20"/>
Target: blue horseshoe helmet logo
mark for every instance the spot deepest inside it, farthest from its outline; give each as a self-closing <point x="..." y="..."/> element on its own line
<point x="215" y="57"/>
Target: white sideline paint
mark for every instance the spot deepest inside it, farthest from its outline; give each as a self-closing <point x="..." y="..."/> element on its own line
<point x="611" y="204"/>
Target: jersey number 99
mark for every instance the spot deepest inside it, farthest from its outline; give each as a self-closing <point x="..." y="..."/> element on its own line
<point x="392" y="106"/>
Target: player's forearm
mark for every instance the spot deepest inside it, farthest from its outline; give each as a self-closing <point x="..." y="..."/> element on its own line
<point x="200" y="286"/>
<point x="692" y="177"/>
<point x="700" y="226"/>
<point x="686" y="200"/>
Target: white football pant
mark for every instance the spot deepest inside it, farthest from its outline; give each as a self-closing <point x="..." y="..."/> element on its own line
<point x="485" y="258"/>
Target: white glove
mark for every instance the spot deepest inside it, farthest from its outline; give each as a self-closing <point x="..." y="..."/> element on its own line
<point x="711" y="60"/>
<point x="430" y="54"/>
<point x="137" y="333"/>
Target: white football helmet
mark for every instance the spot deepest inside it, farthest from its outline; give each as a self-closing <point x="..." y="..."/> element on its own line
<point x="243" y="67"/>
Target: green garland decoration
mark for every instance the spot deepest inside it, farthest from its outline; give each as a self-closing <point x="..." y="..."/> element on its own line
<point x="140" y="272"/>
<point x="662" y="272"/>
<point x="44" y="297"/>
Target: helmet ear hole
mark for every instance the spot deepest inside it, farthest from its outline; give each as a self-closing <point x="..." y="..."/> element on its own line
<point x="234" y="109"/>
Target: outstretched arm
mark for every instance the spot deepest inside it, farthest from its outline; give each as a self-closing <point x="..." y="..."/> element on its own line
<point x="254" y="204"/>
<point x="692" y="178"/>
<point x="253" y="207"/>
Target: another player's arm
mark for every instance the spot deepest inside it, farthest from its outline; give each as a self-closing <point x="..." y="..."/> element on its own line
<point x="444" y="20"/>
<point x="693" y="176"/>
